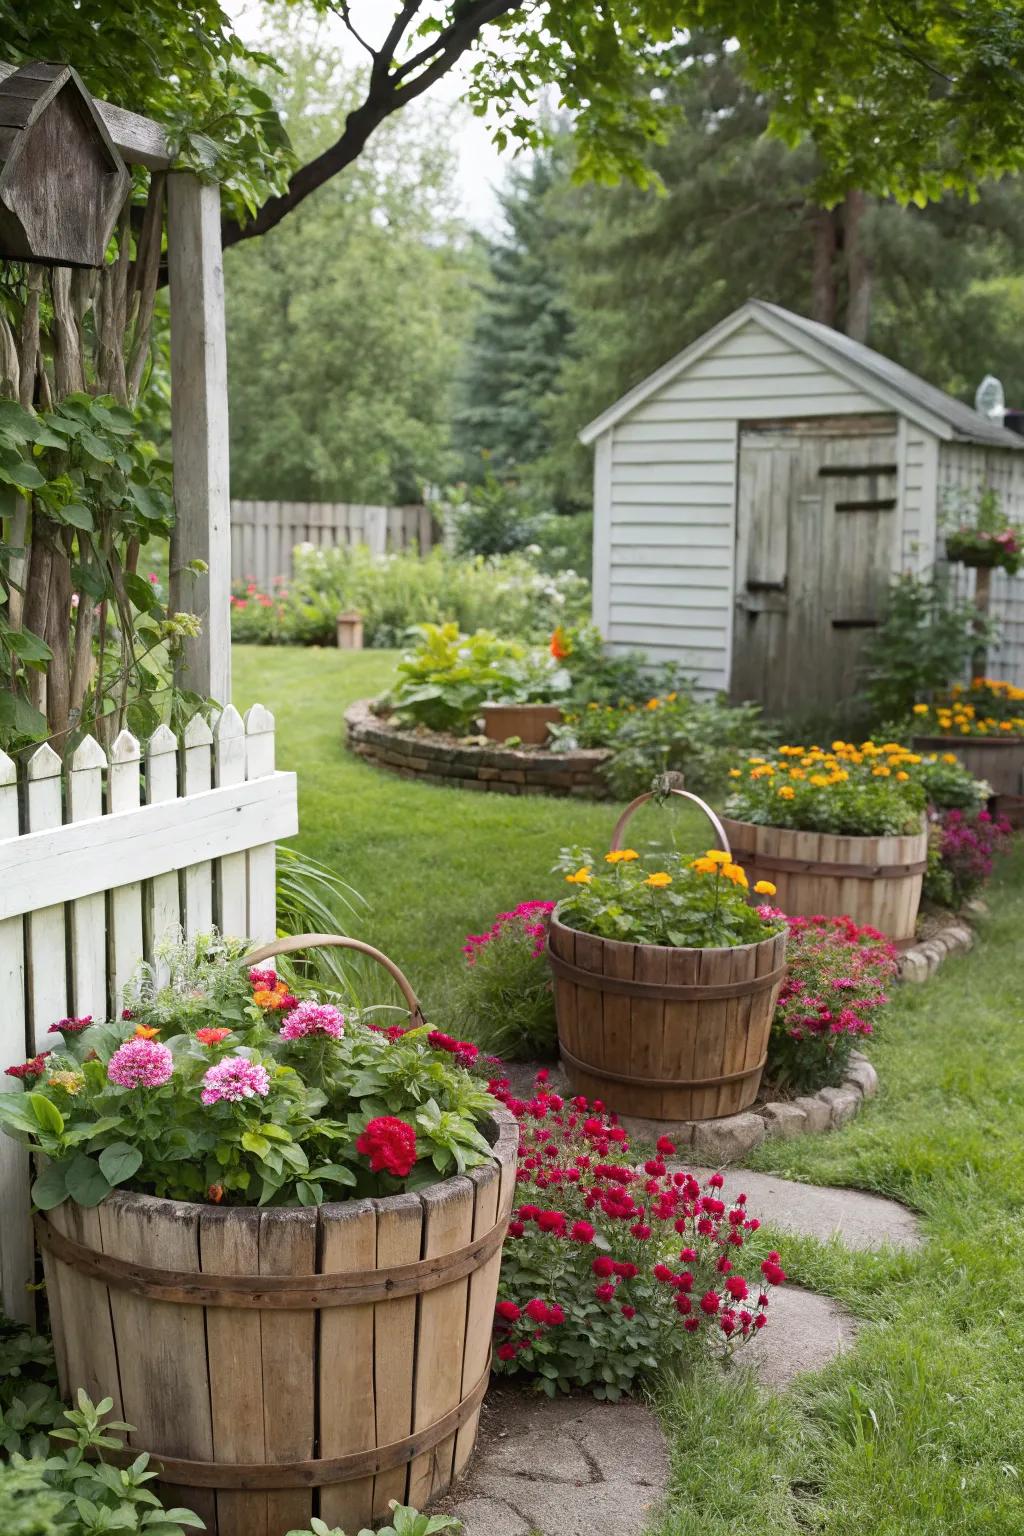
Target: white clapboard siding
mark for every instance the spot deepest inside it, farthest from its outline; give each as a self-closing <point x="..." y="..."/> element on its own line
<point x="264" y="533"/>
<point x="665" y="468"/>
<point x="132" y="848"/>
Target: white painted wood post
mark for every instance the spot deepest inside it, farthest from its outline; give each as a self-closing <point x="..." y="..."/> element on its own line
<point x="45" y="945"/>
<point x="89" y="913"/>
<point x="164" y="906"/>
<point x="15" y="1228"/>
<point x="229" y="768"/>
<point x="199" y="431"/>
<point x="259" y="762"/>
<point x="198" y="776"/>
<point x="124" y="793"/>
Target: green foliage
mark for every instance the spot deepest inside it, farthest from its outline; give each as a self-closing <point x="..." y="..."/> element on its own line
<point x="662" y="898"/>
<point x="984" y="535"/>
<point x="503" y="997"/>
<point x="29" y="1404"/>
<point x="405" y="1522"/>
<point x="924" y="643"/>
<point x="443" y="682"/>
<point x="874" y="790"/>
<point x="311" y="898"/>
<point x="493" y="517"/>
<point x="670" y="731"/>
<point x="293" y="1128"/>
<point x="512" y="594"/>
<point x="77" y="1493"/>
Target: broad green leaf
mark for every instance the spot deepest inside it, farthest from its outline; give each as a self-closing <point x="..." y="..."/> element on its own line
<point x="49" y="1189"/>
<point x="85" y="1180"/>
<point x="119" y="1161"/>
<point x="47" y="1116"/>
<point x="78" y="516"/>
<point x="255" y="1143"/>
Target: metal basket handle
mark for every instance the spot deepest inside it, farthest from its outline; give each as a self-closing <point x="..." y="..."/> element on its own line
<point x="297" y="941"/>
<point x="634" y="805"/>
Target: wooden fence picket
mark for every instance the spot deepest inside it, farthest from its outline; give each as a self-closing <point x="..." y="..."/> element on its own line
<point x="197" y="776"/>
<point x="229" y="768"/>
<point x="88" y="913"/>
<point x="47" y="976"/>
<point x="124" y="793"/>
<point x="163" y="905"/>
<point x="262" y="861"/>
<point x="265" y="533"/>
<point x="15" y="1225"/>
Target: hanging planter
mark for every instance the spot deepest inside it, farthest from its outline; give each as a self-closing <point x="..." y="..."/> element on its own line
<point x="667" y="1031"/>
<point x="289" y="1361"/>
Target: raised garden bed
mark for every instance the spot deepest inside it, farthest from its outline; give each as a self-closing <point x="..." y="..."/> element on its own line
<point x="999" y="760"/>
<point x="436" y="758"/>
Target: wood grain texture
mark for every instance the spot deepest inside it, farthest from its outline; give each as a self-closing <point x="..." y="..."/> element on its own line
<point x="399" y="1241"/>
<point x="288" y="1241"/>
<point x="348" y="1242"/>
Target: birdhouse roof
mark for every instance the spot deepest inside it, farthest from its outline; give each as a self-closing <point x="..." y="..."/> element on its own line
<point x="26" y="94"/>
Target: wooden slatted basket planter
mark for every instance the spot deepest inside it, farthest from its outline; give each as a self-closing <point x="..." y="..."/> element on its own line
<point x="668" y="1034"/>
<point x="288" y="1362"/>
<point x="874" y="880"/>
<point x="999" y="760"/>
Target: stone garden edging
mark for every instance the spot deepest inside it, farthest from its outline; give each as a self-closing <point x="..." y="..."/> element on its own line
<point x="436" y="759"/>
<point x="921" y="960"/>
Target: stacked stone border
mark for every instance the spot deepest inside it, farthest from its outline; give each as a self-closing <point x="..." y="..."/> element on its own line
<point x="919" y="961"/>
<point x="439" y="760"/>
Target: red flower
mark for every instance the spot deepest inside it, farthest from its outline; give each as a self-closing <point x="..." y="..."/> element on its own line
<point x="663" y="1273"/>
<point x="691" y="1324"/>
<point x="626" y="1270"/>
<point x="641" y="1230"/>
<point x="684" y="1306"/>
<point x="71" y="1026"/>
<point x="604" y="1292"/>
<point x="537" y="1310"/>
<point x="211" y="1036"/>
<point x="551" y="1221"/>
<point x="582" y="1232"/>
<point x="516" y="1229"/>
<point x="716" y="1181"/>
<point x="689" y="1255"/>
<point x="390" y="1145"/>
<point x="665" y="1146"/>
<point x="529" y="1212"/>
<point x="555" y="1315"/>
<point x="760" y="1320"/>
<point x="710" y="1302"/>
<point x="628" y="1312"/>
<point x="506" y="1351"/>
<point x="737" y="1288"/>
<point x="773" y="1272"/>
<point x="34" y="1068"/>
<point x="507" y="1311"/>
<point x="603" y="1267"/>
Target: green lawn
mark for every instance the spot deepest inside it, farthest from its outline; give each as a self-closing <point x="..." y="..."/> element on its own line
<point x="919" y="1431"/>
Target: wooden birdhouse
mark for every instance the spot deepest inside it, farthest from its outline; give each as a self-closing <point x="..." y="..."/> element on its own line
<point x="62" y="182"/>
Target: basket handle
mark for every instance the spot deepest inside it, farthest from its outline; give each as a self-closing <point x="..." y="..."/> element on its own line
<point x="289" y="945"/>
<point x="634" y="805"/>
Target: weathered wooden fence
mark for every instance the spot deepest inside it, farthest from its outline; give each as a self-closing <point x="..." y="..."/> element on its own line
<point x="264" y="533"/>
<point x="99" y="861"/>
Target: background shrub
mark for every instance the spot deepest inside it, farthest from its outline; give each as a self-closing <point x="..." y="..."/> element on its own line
<point x="504" y="999"/>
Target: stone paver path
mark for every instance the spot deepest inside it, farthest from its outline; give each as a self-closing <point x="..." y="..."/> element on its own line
<point x="861" y="1220"/>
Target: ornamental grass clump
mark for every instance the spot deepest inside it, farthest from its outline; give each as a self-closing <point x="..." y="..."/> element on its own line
<point x="223" y="1086"/>
<point x="837" y="975"/>
<point x="663" y="899"/>
<point x="504" y="996"/>
<point x="613" y="1271"/>
<point x="874" y="789"/>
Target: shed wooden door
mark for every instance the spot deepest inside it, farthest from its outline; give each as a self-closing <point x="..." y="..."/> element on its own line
<point x="817" y="525"/>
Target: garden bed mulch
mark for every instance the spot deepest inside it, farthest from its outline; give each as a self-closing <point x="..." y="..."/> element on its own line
<point x="435" y="757"/>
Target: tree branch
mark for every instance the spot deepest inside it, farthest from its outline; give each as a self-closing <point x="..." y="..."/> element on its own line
<point x="346" y="16"/>
<point x="385" y="95"/>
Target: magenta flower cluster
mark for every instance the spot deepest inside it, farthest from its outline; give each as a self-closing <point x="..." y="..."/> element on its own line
<point x="312" y="1018"/>
<point x="968" y="846"/>
<point x="528" y="918"/>
<point x="140" y="1064"/>
<point x="234" y="1079"/>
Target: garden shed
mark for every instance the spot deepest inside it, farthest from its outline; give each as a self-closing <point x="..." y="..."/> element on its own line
<point x="754" y="497"/>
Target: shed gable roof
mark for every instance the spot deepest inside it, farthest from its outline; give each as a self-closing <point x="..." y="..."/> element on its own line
<point x="893" y="386"/>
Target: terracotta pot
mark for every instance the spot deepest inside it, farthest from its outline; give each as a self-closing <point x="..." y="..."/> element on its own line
<point x="527" y="721"/>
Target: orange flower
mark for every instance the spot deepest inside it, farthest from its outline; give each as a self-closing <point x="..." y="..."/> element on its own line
<point x="659" y="880"/>
<point x="560" y="644"/>
<point x="215" y="1194"/>
<point x="143" y="1032"/>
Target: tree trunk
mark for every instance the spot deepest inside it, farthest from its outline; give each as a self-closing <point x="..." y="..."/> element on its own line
<point x="823" y="269"/>
<point x="858" y="266"/>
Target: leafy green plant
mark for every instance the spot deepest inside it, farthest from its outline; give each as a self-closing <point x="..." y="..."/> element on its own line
<point x="688" y="904"/>
<point x="924" y="643"/>
<point x="872" y="790"/>
<point x="503" y="998"/>
<point x="78" y="1492"/>
<point x="221" y="1085"/>
<point x="443" y="682"/>
<point x="311" y="898"/>
<point x="985" y="536"/>
<point x="405" y="1522"/>
<point x="29" y="1404"/>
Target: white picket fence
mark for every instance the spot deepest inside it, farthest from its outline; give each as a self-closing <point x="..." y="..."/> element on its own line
<point x="264" y="533"/>
<point x="97" y="863"/>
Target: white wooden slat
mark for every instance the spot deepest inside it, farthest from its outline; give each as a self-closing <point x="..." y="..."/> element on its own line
<point x="229" y="771"/>
<point x="163" y="903"/>
<point x="262" y="861"/>
<point x="197" y="777"/>
<point x="145" y="843"/>
<point x="124" y="789"/>
<point x="16" y="1259"/>
<point x="45" y="945"/>
<point x="89" y="913"/>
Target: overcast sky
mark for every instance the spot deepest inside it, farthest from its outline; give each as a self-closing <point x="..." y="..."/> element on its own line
<point x="480" y="167"/>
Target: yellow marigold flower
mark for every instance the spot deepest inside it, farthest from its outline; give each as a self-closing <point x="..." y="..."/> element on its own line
<point x="920" y="709"/>
<point x="581" y="877"/>
<point x="736" y="873"/>
<point x="765" y="888"/>
<point x="621" y="856"/>
<point x="807" y="762"/>
<point x="903" y="776"/>
<point x="764" y="771"/>
<point x="71" y="1082"/>
<point x="717" y="856"/>
<point x="735" y="773"/>
<point x="755" y="760"/>
<point x="143" y="1032"/>
<point x="1006" y="725"/>
<point x="797" y="773"/>
<point x="659" y="880"/>
<point x="948" y="757"/>
<point x="881" y="772"/>
<point x="820" y="779"/>
<point x="705" y="866"/>
<point x="911" y="757"/>
<point x="839" y="746"/>
<point x="787" y="792"/>
<point x="653" y="703"/>
<point x="670" y="698"/>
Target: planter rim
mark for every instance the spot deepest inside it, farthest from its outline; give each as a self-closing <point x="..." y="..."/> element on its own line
<point x="501" y="1119"/>
<point x="671" y="949"/>
<point x="499" y="704"/>
<point x="970" y="741"/>
<point x="864" y="837"/>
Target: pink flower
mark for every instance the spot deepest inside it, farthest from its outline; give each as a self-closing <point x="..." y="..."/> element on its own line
<point x="70" y="1026"/>
<point x="140" y="1064"/>
<point x="311" y="1018"/>
<point x="233" y="1080"/>
<point x="263" y="978"/>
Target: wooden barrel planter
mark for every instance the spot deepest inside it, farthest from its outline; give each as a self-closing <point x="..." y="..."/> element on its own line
<point x="668" y="1034"/>
<point x="874" y="880"/>
<point x="999" y="760"/>
<point x="288" y="1362"/>
<point x="527" y="721"/>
